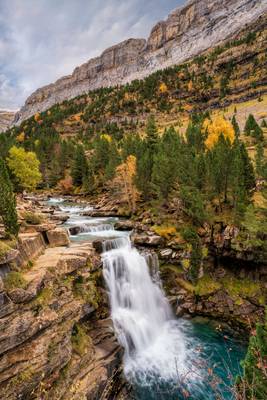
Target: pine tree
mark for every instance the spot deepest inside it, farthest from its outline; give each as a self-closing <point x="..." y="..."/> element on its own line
<point x="164" y="172"/>
<point x="247" y="168"/>
<point x="236" y="127"/>
<point x="252" y="128"/>
<point x="8" y="202"/>
<point x="79" y="167"/>
<point x="261" y="162"/>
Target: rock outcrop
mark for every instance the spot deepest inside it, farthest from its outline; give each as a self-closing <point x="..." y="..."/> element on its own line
<point x="55" y="340"/>
<point x="188" y="31"/>
<point x="6" y="118"/>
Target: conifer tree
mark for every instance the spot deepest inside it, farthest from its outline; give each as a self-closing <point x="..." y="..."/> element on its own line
<point x="8" y="202"/>
<point x="164" y="172"/>
<point x="252" y="128"/>
<point x="236" y="127"/>
<point x="261" y="162"/>
<point x="79" y="167"/>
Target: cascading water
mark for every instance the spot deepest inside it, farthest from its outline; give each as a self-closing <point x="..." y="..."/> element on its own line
<point x="165" y="358"/>
<point x="143" y="321"/>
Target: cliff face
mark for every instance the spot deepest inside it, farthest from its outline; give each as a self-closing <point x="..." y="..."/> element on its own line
<point x="6" y="118"/>
<point x="188" y="31"/>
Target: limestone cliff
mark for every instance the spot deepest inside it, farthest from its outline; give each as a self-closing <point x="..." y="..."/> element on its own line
<point x="187" y="31"/>
<point x="6" y="117"/>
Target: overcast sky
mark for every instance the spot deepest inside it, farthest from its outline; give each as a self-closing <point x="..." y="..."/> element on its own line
<point x="42" y="40"/>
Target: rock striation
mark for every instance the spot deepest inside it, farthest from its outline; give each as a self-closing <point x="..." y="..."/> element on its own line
<point x="188" y="31"/>
<point x="6" y="118"/>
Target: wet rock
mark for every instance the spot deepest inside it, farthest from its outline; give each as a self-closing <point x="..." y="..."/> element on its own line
<point x="58" y="237"/>
<point x="98" y="246"/>
<point x="147" y="240"/>
<point x="74" y="230"/>
<point x="59" y="217"/>
<point x="126" y="225"/>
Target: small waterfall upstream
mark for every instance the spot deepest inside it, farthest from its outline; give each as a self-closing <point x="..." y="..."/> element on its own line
<point x="143" y="321"/>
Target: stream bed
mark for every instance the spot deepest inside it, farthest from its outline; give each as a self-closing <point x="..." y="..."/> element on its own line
<point x="165" y="357"/>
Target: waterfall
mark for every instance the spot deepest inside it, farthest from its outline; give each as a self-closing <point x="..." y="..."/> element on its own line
<point x="141" y="315"/>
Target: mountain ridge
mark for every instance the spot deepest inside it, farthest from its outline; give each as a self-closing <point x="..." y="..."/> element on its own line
<point x="188" y="31"/>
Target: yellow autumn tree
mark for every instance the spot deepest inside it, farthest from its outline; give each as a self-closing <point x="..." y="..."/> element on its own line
<point x="216" y="127"/>
<point x="21" y="137"/>
<point x="163" y="88"/>
<point x="25" y="167"/>
<point x="124" y="181"/>
<point x="106" y="137"/>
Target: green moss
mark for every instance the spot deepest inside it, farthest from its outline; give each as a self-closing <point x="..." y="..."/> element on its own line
<point x="86" y="290"/>
<point x="241" y="287"/>
<point x="44" y="297"/>
<point x="15" y="280"/>
<point x="206" y="286"/>
<point x="80" y="340"/>
<point x="177" y="269"/>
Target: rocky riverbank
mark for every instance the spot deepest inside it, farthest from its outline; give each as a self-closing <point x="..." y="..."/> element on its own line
<point x="232" y="285"/>
<point x="56" y="339"/>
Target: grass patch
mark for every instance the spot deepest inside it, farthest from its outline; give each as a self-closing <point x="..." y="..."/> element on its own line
<point x="44" y="297"/>
<point x="4" y="249"/>
<point x="14" y="280"/>
<point x="165" y="231"/>
<point x="32" y="218"/>
<point x="185" y="285"/>
<point x="241" y="287"/>
<point x="206" y="286"/>
<point x="177" y="269"/>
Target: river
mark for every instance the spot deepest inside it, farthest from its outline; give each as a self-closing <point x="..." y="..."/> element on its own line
<point x="164" y="357"/>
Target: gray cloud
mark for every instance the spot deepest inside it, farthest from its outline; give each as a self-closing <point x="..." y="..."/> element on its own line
<point x="42" y="40"/>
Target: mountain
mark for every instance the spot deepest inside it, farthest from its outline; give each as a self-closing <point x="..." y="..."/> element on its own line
<point x="187" y="32"/>
<point x="6" y="118"/>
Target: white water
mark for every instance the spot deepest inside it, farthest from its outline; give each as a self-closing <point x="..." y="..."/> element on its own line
<point x="143" y="321"/>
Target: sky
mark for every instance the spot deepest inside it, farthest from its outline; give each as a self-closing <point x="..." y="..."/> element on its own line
<point x="43" y="40"/>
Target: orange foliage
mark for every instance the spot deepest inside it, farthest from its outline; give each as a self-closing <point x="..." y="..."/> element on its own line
<point x="218" y="126"/>
<point x="190" y="86"/>
<point x="37" y="117"/>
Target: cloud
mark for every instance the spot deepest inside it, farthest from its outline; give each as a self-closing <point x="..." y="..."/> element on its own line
<point x="43" y="40"/>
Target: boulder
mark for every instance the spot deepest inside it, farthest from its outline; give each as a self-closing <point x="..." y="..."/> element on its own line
<point x="147" y="240"/>
<point x="58" y="237"/>
<point x="98" y="246"/>
<point x="126" y="225"/>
